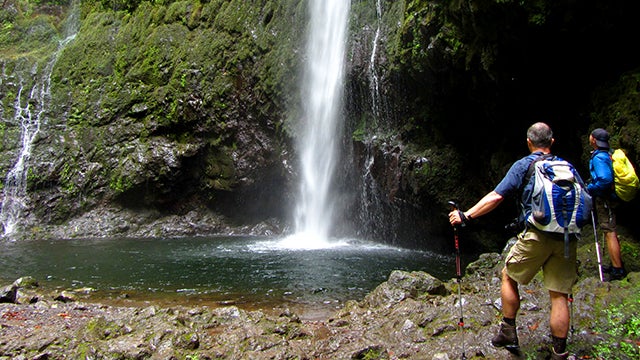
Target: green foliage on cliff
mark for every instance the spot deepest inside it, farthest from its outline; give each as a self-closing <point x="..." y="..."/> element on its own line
<point x="165" y="63"/>
<point x="617" y="108"/>
<point x="25" y="32"/>
<point x="154" y="101"/>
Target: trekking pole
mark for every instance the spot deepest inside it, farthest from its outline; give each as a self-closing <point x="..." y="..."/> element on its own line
<point x="595" y="235"/>
<point x="454" y="206"/>
<point x="570" y="299"/>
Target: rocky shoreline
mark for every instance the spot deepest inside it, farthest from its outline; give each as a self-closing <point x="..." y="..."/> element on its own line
<point x="410" y="316"/>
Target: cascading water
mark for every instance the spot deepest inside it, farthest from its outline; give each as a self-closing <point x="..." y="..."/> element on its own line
<point x="373" y="74"/>
<point x="370" y="195"/>
<point x="29" y="113"/>
<point x="322" y="96"/>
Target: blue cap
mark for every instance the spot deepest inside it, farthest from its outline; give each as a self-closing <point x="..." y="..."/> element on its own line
<point x="602" y="137"/>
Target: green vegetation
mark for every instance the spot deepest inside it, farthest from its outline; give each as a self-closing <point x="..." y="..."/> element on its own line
<point x="622" y="330"/>
<point x="372" y="353"/>
<point x="190" y="72"/>
<point x="120" y="184"/>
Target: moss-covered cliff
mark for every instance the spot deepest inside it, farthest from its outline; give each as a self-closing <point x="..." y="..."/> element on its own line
<point x="170" y="107"/>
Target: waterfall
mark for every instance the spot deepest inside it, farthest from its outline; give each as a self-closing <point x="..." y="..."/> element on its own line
<point x="322" y="91"/>
<point x="30" y="114"/>
<point x="373" y="74"/>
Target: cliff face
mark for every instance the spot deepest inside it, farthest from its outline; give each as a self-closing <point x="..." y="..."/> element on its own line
<point x="187" y="109"/>
<point x="170" y="107"/>
<point x="461" y="82"/>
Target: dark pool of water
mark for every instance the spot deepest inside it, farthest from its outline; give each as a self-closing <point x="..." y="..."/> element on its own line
<point x="245" y="270"/>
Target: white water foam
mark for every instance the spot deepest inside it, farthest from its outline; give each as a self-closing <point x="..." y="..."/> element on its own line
<point x="300" y="241"/>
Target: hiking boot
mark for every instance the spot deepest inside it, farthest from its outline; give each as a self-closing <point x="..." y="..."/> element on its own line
<point x="564" y="355"/>
<point x="507" y="337"/>
<point x="617" y="273"/>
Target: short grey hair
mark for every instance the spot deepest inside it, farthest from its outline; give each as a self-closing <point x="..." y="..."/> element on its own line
<point x="540" y="135"/>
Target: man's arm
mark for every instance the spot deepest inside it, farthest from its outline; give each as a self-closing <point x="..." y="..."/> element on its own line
<point x="484" y="206"/>
<point x="602" y="176"/>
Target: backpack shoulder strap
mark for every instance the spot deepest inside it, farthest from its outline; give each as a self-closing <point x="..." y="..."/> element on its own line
<point x="531" y="168"/>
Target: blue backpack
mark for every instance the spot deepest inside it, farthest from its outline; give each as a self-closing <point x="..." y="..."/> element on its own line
<point x="559" y="200"/>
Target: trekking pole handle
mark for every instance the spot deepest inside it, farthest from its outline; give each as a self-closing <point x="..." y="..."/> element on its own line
<point x="455" y="207"/>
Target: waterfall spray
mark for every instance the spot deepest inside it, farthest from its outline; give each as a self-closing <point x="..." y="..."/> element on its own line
<point x="321" y="130"/>
<point x="29" y="113"/>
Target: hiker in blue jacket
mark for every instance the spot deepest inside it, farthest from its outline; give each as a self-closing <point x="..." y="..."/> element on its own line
<point x="533" y="251"/>
<point x="601" y="187"/>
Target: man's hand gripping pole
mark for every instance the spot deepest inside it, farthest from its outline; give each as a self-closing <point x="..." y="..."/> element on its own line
<point x="455" y="207"/>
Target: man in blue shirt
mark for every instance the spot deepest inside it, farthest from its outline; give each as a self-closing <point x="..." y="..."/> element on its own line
<point x="601" y="187"/>
<point x="533" y="251"/>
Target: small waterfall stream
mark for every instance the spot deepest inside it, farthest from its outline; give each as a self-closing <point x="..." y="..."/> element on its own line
<point x="373" y="72"/>
<point x="322" y="96"/>
<point x="370" y="197"/>
<point x="30" y="112"/>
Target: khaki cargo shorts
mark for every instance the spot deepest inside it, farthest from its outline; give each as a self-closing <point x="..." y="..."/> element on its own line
<point x="537" y="250"/>
<point x="605" y="211"/>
